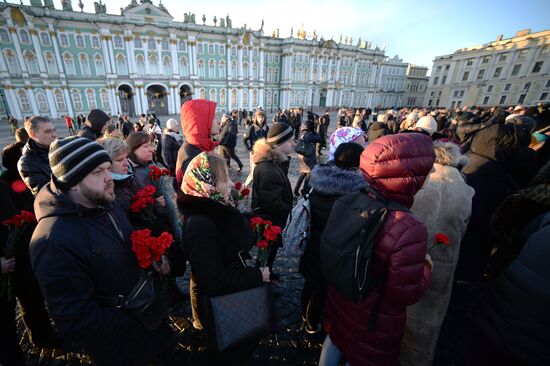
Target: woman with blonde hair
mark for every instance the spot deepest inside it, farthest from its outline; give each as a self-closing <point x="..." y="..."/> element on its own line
<point x="256" y="131"/>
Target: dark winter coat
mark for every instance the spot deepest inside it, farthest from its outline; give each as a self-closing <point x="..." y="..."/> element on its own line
<point x="308" y="162"/>
<point x="170" y="148"/>
<point x="493" y="158"/>
<point x="253" y="134"/>
<point x="514" y="314"/>
<point x="34" y="166"/>
<point x="378" y="129"/>
<point x="80" y="258"/>
<point x="228" y="133"/>
<point x="271" y="192"/>
<point x="399" y="255"/>
<point x="467" y="129"/>
<point x="329" y="183"/>
<point x="127" y="128"/>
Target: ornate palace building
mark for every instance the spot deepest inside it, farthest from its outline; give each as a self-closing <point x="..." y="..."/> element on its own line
<point x="60" y="61"/>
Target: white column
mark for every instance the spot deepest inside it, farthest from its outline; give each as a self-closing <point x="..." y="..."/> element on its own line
<point x="144" y="102"/>
<point x="56" y="49"/>
<point x="174" y="55"/>
<point x="38" y="51"/>
<point x="240" y="98"/>
<point x="106" y="55"/>
<point x="68" y="101"/>
<point x="159" y="56"/>
<point x="3" y="67"/>
<point x="190" y="59"/>
<point x="319" y="68"/>
<point x="354" y="77"/>
<point x="32" y="100"/>
<point x="15" y="40"/>
<point x="170" y="100"/>
<point x="175" y="97"/>
<point x="338" y="62"/>
<point x="111" y="54"/>
<point x="228" y="54"/>
<point x="289" y="66"/>
<point x="130" y="55"/>
<point x="310" y="72"/>
<point x="146" y="57"/>
<point x="250" y="68"/>
<point x="137" y="101"/>
<point x="13" y="102"/>
<point x="51" y="102"/>
<point x="117" y="100"/>
<point x="112" y="102"/>
<point x="261" y="71"/>
<point x="261" y="93"/>
<point x="195" y="60"/>
<point x="329" y="67"/>
<point x="240" y="63"/>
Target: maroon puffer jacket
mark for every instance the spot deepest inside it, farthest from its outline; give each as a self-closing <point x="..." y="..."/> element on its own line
<point x="397" y="166"/>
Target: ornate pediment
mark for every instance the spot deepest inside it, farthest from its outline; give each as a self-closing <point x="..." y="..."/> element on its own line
<point x="147" y="9"/>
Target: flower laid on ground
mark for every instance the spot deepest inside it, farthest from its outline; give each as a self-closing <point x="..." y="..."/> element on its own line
<point x="149" y="249"/>
<point x="267" y="234"/>
<point x="439" y="240"/>
<point x="16" y="224"/>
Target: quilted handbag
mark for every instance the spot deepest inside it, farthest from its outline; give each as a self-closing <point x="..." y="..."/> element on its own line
<point x="242" y="317"/>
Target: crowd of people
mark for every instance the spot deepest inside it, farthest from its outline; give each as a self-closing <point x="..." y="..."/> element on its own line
<point x="462" y="199"/>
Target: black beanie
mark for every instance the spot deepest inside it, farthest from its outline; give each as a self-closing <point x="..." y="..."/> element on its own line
<point x="348" y="155"/>
<point x="73" y="158"/>
<point x="97" y="119"/>
<point x="279" y="133"/>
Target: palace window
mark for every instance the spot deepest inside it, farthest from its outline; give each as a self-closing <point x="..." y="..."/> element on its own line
<point x="182" y="46"/>
<point x="516" y="70"/>
<point x="502" y="57"/>
<point x="140" y="65"/>
<point x="269" y="75"/>
<point x="221" y="50"/>
<point x="138" y="43"/>
<point x="24" y="101"/>
<point x="234" y="68"/>
<point x="222" y="69"/>
<point x="485" y="60"/>
<point x="117" y="42"/>
<point x="270" y="57"/>
<point x="212" y="69"/>
<point x="255" y="71"/>
<point x="24" y="36"/>
<point x="276" y="76"/>
<point x="104" y="94"/>
<point x="184" y="70"/>
<point x="233" y="97"/>
<point x="4" y="36"/>
<point x="470" y="62"/>
<point x="85" y="65"/>
<point x="201" y="68"/>
<point x="507" y="87"/>
<point x="245" y="98"/>
<point x="255" y="54"/>
<point x="200" y="48"/>
<point x="210" y="49"/>
<point x="498" y="70"/>
<point x="42" y="102"/>
<point x="480" y="74"/>
<point x="245" y="51"/>
<point x="521" y="98"/>
<point x="63" y="40"/>
<point x="547" y="84"/>
<point x="69" y="64"/>
<point x="527" y="86"/>
<point x="95" y="42"/>
<point x="465" y="76"/>
<point x="90" y="98"/>
<point x="59" y="100"/>
<point x="121" y="65"/>
<point x="202" y="93"/>
<point x="164" y="45"/>
<point x="234" y="51"/>
<point x="51" y="64"/>
<point x="223" y="97"/>
<point x="77" y="99"/>
<point x="79" y="41"/>
<point x="212" y="96"/>
<point x="45" y="39"/>
<point x="523" y="53"/>
<point x="245" y="70"/>
<point x="255" y="97"/>
<point x="489" y="88"/>
<point x="502" y="99"/>
<point x="151" y="44"/>
<point x="167" y="65"/>
<point x="99" y="66"/>
<point x="153" y="65"/>
<point x="543" y="96"/>
<point x="32" y="63"/>
<point x="537" y="67"/>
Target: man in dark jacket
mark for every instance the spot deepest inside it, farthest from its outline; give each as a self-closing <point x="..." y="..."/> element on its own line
<point x="33" y="166"/>
<point x="96" y="121"/>
<point x="228" y="140"/>
<point x="82" y="257"/>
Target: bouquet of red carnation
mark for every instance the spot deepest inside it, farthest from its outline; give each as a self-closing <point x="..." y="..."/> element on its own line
<point x="439" y="240"/>
<point x="149" y="249"/>
<point x="239" y="192"/>
<point x="267" y="234"/>
<point x="143" y="201"/>
<point x="16" y="226"/>
<point x="155" y="173"/>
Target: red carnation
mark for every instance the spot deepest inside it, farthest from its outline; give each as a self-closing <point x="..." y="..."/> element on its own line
<point x="441" y="239"/>
<point x="238" y="186"/>
<point x="262" y="244"/>
<point x="245" y="192"/>
<point x="147" y="248"/>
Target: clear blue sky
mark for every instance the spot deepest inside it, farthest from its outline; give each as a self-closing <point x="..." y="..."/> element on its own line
<point x="417" y="30"/>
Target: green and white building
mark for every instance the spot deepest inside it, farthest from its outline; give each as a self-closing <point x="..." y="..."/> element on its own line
<point x="59" y="61"/>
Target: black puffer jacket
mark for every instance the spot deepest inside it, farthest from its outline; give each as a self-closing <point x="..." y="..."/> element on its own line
<point x="170" y="148"/>
<point x="329" y="183"/>
<point x="378" y="129"/>
<point x="253" y="134"/>
<point x="467" y="129"/>
<point x="228" y="133"/>
<point x="34" y="166"/>
<point x="271" y="191"/>
<point x="80" y="259"/>
<point x="514" y="314"/>
<point x="92" y="130"/>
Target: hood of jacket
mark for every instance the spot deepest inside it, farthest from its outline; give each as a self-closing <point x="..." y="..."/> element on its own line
<point x="197" y="117"/>
<point x="262" y="151"/>
<point x="397" y="165"/>
<point x="331" y="180"/>
<point x="499" y="142"/>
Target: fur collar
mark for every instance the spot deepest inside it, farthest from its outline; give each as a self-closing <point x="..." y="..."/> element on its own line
<point x="262" y="151"/>
<point x="329" y="179"/>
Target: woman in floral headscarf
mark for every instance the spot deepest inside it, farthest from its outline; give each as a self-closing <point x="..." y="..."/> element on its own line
<point x="345" y="134"/>
<point x="216" y="235"/>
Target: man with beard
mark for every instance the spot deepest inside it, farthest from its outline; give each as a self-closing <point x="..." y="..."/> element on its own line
<point x="82" y="257"/>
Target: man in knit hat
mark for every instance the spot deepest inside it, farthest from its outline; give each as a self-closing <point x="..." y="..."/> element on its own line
<point x="94" y="125"/>
<point x="271" y="191"/>
<point x="82" y="257"/>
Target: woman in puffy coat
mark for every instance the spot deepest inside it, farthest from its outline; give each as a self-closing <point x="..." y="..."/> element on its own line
<point x="396" y="166"/>
<point x="444" y="204"/>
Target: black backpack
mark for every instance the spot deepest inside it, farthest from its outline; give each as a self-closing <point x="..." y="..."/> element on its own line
<point x="347" y="242"/>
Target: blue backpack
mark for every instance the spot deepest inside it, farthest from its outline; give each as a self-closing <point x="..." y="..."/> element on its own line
<point x="297" y="229"/>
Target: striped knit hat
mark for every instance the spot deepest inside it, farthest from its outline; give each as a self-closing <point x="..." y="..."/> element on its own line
<point x="279" y="133"/>
<point x="73" y="158"/>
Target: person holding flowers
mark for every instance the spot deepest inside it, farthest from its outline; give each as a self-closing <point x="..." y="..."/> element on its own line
<point x="82" y="258"/>
<point x="217" y="238"/>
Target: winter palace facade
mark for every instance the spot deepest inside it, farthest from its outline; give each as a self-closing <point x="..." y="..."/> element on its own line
<point x="60" y="61"/>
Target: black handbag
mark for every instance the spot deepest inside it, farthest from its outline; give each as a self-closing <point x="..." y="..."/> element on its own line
<point x="305" y="149"/>
<point x="241" y="317"/>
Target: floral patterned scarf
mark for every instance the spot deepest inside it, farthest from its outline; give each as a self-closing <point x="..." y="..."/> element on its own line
<point x="340" y="136"/>
<point x="200" y="181"/>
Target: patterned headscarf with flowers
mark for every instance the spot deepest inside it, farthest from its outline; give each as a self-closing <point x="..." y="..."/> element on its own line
<point x="342" y="135"/>
<point x="200" y="181"/>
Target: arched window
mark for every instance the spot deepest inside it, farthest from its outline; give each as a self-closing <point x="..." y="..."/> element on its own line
<point x="95" y="42"/>
<point x="324" y="74"/>
<point x="153" y="65"/>
<point x="51" y="65"/>
<point x="11" y="58"/>
<point x="140" y="65"/>
<point x="59" y="100"/>
<point x="63" y="40"/>
<point x="245" y="70"/>
<point x="151" y="44"/>
<point x="79" y="41"/>
<point x="212" y="96"/>
<point x="234" y="68"/>
<point x="184" y="69"/>
<point x="99" y="66"/>
<point x="32" y="63"/>
<point x="255" y="97"/>
<point x="255" y="71"/>
<point x="202" y="93"/>
<point x="212" y="69"/>
<point x="4" y="36"/>
<point x="245" y="98"/>
<point x="222" y="69"/>
<point x="167" y="65"/>
<point x="118" y="42"/>
<point x="77" y="99"/>
<point x="24" y="101"/>
<point x="269" y="97"/>
<point x="201" y="69"/>
<point x="69" y="64"/>
<point x="182" y="46"/>
<point x="105" y="99"/>
<point x="45" y="39"/>
<point x="138" y="43"/>
<point x="42" y="102"/>
<point x="24" y="36"/>
<point x="121" y="65"/>
<point x="84" y="65"/>
<point x="90" y="98"/>
<point x="223" y="97"/>
<point x="233" y="97"/>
